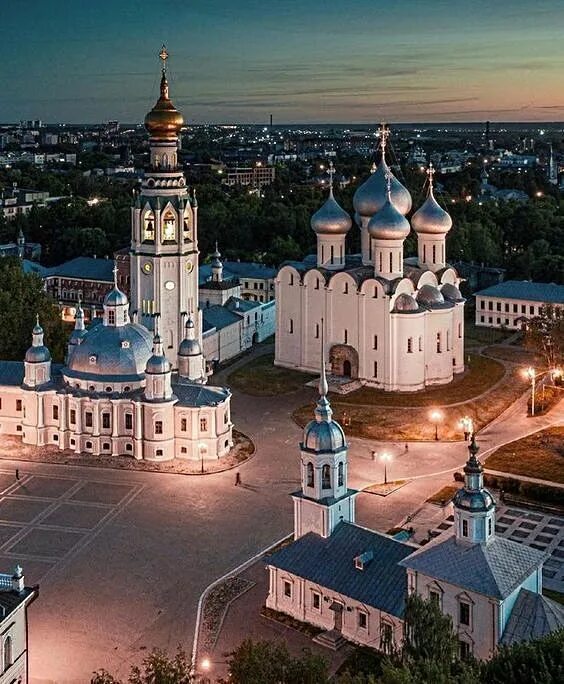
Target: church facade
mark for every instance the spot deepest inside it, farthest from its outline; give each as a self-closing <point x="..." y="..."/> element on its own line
<point x="134" y="382"/>
<point x="392" y="323"/>
<point x="352" y="582"/>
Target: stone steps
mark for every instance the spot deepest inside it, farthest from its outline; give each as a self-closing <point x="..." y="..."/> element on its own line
<point x="331" y="639"/>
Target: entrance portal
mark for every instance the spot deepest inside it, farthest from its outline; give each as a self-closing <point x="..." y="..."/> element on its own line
<point x="344" y="361"/>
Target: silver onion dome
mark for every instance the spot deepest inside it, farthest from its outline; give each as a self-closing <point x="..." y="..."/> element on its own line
<point x="405" y="304"/>
<point x="429" y="295"/>
<point x="451" y="293"/>
<point x="388" y="223"/>
<point x="158" y="363"/>
<point x="190" y="346"/>
<point x="38" y="352"/>
<point x="115" y="297"/>
<point x="431" y="218"/>
<point x="371" y="196"/>
<point x="331" y="218"/>
<point x="323" y="436"/>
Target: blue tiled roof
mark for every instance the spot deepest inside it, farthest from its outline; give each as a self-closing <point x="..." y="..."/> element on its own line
<point x="218" y="317"/>
<point x="11" y="372"/>
<point x="524" y="289"/>
<point x="493" y="569"/>
<point x="193" y="394"/>
<point x="330" y="563"/>
<point x="533" y="616"/>
<point x="236" y="304"/>
<point x="86" y="268"/>
<point x="33" y="267"/>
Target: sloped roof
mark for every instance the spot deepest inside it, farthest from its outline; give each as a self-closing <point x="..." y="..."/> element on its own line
<point x="194" y="394"/>
<point x="524" y="289"/>
<point x="83" y="268"/>
<point x="533" y="616"/>
<point x="329" y="562"/>
<point x="493" y="569"/>
<point x="218" y="317"/>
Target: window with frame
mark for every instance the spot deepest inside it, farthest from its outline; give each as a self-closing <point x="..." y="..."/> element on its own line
<point x="362" y="619"/>
<point x="465" y="528"/>
<point x="169" y="227"/>
<point x="310" y="476"/>
<point x="183" y="424"/>
<point x="439" y="343"/>
<point x="386" y="637"/>
<point x="435" y="597"/>
<point x="464" y="650"/>
<point x="72" y="416"/>
<point x="55" y="412"/>
<point x="326" y="477"/>
<point x="287" y="589"/>
<point x="149" y="227"/>
<point x="129" y="421"/>
<point x="291" y="326"/>
<point x="375" y="369"/>
<point x="18" y="404"/>
<point x="420" y="343"/>
<point x="532" y="310"/>
<point x="111" y="317"/>
<point x="410" y="345"/>
<point x="158" y="427"/>
<point x="498" y="306"/>
<point x="317" y="331"/>
<point x="106" y="420"/>
<point x="346" y="336"/>
<point x="464" y="613"/>
<point x="203" y="424"/>
<point x="482" y="304"/>
<point x="340" y="474"/>
<point x="8" y="652"/>
<point x="515" y="308"/>
<point x="88" y="419"/>
<point x="490" y="306"/>
<point x="375" y="343"/>
<point x="316" y="600"/>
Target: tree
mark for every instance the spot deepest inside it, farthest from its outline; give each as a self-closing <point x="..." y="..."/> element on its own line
<point x="545" y="335"/>
<point x="21" y="298"/>
<point x="267" y="662"/>
<point x="157" y="668"/>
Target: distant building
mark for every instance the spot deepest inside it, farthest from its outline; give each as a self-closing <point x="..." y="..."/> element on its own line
<point x="20" y="201"/>
<point x="255" y="176"/>
<point x="511" y="303"/>
<point x="15" y="599"/>
<point x="256" y="280"/>
<point x="478" y="276"/>
<point x="22" y="249"/>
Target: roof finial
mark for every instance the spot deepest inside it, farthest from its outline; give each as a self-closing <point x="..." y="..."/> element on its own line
<point x="384" y="135"/>
<point x="473" y="448"/>
<point x="37" y="319"/>
<point x="430" y="173"/>
<point x="115" y="272"/>
<point x="389" y="184"/>
<point x="323" y="387"/>
<point x="331" y="172"/>
<point x="163" y="54"/>
<point x="373" y="167"/>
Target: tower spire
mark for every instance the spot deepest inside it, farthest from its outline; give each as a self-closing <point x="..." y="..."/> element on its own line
<point x="430" y="173"/>
<point x="384" y="135"/>
<point x="331" y="173"/>
<point x="323" y="411"/>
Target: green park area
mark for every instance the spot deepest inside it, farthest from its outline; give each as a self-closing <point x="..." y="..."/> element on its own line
<point x="540" y="455"/>
<point x="261" y="378"/>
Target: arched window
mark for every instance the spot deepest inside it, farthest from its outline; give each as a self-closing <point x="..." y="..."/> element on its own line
<point x="186" y="231"/>
<point x="434" y="254"/>
<point x="326" y="477"/>
<point x="149" y="227"/>
<point x="169" y="227"/>
<point x="332" y="258"/>
<point x="391" y="263"/>
<point x="8" y="655"/>
<point x="341" y="475"/>
<point x="309" y="469"/>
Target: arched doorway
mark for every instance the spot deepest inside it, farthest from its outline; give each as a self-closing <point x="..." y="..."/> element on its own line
<point x="344" y="361"/>
<point x="255" y="338"/>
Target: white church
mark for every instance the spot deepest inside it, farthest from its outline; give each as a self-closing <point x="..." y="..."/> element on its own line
<point x="351" y="581"/>
<point x="133" y="382"/>
<point x="392" y="323"/>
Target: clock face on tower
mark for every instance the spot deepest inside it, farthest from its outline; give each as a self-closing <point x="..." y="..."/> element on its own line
<point x="147" y="267"/>
<point x="169" y="285"/>
<point x="189" y="267"/>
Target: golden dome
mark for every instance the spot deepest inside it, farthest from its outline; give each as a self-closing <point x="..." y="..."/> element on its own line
<point x="164" y="120"/>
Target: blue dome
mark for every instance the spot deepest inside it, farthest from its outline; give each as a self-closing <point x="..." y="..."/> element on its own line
<point x="473" y="500"/>
<point x="323" y="436"/>
<point x="38" y="354"/>
<point x="117" y="353"/>
<point x="189" y="348"/>
<point x="115" y="297"/>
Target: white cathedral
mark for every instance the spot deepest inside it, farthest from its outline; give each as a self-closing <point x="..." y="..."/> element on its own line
<point x="392" y="323"/>
<point x="134" y="382"/>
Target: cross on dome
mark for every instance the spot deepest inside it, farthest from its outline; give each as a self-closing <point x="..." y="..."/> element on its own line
<point x="430" y="173"/>
<point x="388" y="176"/>
<point x="384" y="135"/>
<point x="331" y="172"/>
<point x="163" y="54"/>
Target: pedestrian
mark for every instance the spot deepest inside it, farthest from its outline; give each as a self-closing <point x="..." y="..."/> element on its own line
<point x="17" y="473"/>
<point x="407" y="447"/>
<point x="237" y="478"/>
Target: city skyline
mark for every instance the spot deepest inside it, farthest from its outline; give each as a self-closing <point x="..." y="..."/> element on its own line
<point x="239" y="63"/>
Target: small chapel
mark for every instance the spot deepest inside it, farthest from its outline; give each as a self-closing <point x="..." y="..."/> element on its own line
<point x="391" y="322"/>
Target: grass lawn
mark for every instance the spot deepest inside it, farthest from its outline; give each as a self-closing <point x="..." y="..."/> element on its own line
<point x="261" y="378"/>
<point x="515" y="354"/>
<point x="481" y="374"/>
<point x="539" y="455"/>
<point x="388" y="422"/>
<point x="483" y="334"/>
<point x="443" y="496"/>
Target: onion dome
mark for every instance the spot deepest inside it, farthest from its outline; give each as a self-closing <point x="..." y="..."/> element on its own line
<point x="405" y="304"/>
<point x="371" y="196"/>
<point x="190" y="345"/>
<point x="216" y="261"/>
<point x="164" y="120"/>
<point x="331" y="218"/>
<point x="451" y="293"/>
<point x="323" y="435"/>
<point x="473" y="496"/>
<point x="157" y="363"/>
<point x="38" y="352"/>
<point x="388" y="223"/>
<point x="429" y="295"/>
<point x="79" y="329"/>
<point x="431" y="218"/>
<point x="116" y="297"/>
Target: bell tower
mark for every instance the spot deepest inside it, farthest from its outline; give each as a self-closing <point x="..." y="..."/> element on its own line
<point x="164" y="235"/>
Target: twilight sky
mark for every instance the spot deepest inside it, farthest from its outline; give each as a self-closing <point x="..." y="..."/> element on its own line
<point x="301" y="60"/>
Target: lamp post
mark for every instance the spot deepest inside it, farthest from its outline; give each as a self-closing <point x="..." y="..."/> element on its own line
<point x="531" y="374"/>
<point x="436" y="417"/>
<point x="385" y="458"/>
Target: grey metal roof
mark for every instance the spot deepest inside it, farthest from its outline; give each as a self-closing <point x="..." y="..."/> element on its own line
<point x="330" y="563"/>
<point x="218" y="317"/>
<point x="524" y="289"/>
<point x="193" y="394"/>
<point x="235" y="270"/>
<point x="533" y="616"/>
<point x="11" y="373"/>
<point x="84" y="268"/>
<point x="493" y="569"/>
<point x="238" y="305"/>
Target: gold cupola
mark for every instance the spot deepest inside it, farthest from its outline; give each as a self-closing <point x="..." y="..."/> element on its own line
<point x="164" y="120"/>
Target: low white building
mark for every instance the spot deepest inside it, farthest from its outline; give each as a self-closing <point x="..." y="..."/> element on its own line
<point x="15" y="599"/>
<point x="352" y="581"/>
<point x="512" y="303"/>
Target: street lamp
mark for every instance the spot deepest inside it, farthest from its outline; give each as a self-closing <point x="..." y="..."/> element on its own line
<point x="531" y="374"/>
<point x="385" y="458"/>
<point x="468" y="427"/>
<point x="436" y="417"/>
